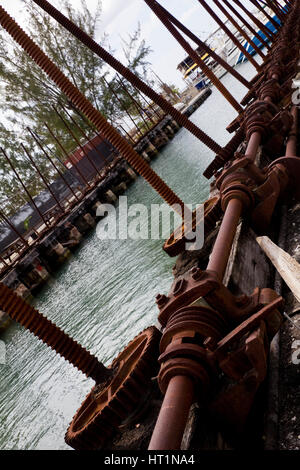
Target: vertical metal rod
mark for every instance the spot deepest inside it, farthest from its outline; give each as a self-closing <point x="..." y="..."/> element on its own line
<point x="239" y="28"/>
<point x="84" y="180"/>
<point x="229" y="34"/>
<point x="129" y="136"/>
<point x="24" y="187"/>
<point x="155" y="7"/>
<point x="122" y="104"/>
<point x="206" y="48"/>
<point x="256" y="21"/>
<point x="222" y="248"/>
<point x="172" y="418"/>
<point x="6" y="220"/>
<point x="76" y="140"/>
<point x="246" y="23"/>
<point x="291" y="146"/>
<point x="52" y="163"/>
<point x="136" y="104"/>
<point x="43" y="178"/>
<point x="85" y="106"/>
<point x="90" y="141"/>
<point x="257" y="5"/>
<point x="149" y="104"/>
<point x="128" y="75"/>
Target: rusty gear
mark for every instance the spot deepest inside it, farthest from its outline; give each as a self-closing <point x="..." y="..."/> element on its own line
<point x="104" y="410"/>
<point x="212" y="213"/>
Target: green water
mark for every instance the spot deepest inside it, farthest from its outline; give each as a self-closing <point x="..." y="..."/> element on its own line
<point x="103" y="297"/>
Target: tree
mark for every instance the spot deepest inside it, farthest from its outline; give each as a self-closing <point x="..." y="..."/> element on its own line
<point x="28" y="95"/>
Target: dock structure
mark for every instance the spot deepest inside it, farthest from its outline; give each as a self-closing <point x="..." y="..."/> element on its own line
<point x="216" y="325"/>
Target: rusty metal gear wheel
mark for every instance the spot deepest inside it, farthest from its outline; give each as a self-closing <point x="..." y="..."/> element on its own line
<point x="106" y="406"/>
<point x="212" y="213"/>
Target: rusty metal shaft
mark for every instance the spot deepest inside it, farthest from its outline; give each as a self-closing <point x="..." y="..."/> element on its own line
<point x="50" y="334"/>
<point x="87" y="108"/>
<point x="291" y="146"/>
<point x="155" y="7"/>
<point x="171" y="421"/>
<point x="128" y="75"/>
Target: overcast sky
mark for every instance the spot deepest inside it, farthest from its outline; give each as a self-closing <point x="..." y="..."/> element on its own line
<point x="120" y="17"/>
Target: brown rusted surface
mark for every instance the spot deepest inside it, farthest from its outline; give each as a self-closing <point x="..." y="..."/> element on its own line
<point x="128" y="75"/>
<point x="50" y="334"/>
<point x="105" y="407"/>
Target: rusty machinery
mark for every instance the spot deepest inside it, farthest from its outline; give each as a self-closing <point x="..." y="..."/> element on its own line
<point x="206" y="330"/>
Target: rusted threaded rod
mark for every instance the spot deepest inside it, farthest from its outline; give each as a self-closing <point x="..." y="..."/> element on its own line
<point x="137" y="105"/>
<point x="91" y="113"/>
<point x="172" y="418"/>
<point x="256" y="21"/>
<point x="50" y="334"/>
<point x="128" y="75"/>
<point x="239" y="29"/>
<point x="7" y="221"/>
<point x="291" y="146"/>
<point x="246" y="23"/>
<point x="90" y="141"/>
<point x="110" y="87"/>
<point x="37" y="140"/>
<point x="206" y="48"/>
<point x="155" y="7"/>
<point x="257" y="5"/>
<point x="24" y="187"/>
<point x="229" y="34"/>
<point x="77" y="141"/>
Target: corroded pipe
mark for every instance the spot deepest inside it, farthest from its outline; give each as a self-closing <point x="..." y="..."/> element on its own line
<point x="239" y="29"/>
<point x="193" y="54"/>
<point x="246" y="23"/>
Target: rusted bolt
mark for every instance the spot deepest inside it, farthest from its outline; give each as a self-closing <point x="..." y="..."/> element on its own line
<point x="161" y="300"/>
